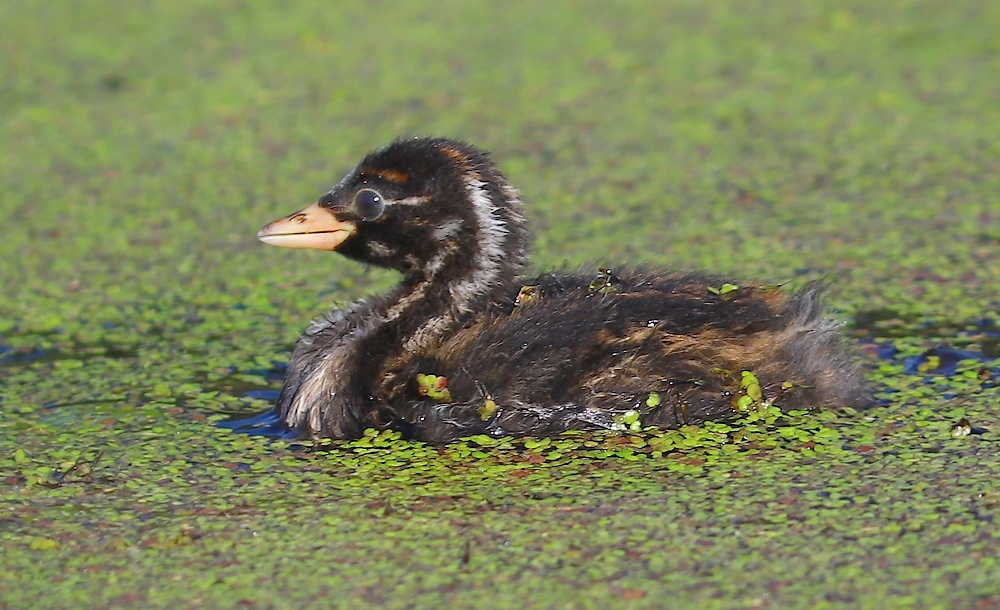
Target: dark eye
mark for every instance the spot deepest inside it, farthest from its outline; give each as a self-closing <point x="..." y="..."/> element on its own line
<point x="369" y="204"/>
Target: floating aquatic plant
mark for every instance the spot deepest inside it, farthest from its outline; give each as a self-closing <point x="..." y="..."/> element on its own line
<point x="433" y="386"/>
<point x="752" y="395"/>
<point x="724" y="289"/>
<point x="605" y="282"/>
<point x="629" y="420"/>
<point x="527" y="295"/>
<point x="488" y="409"/>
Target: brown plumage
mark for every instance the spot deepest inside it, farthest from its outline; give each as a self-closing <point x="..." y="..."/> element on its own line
<point x="527" y="356"/>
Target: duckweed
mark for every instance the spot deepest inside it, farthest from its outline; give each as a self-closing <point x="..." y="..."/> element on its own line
<point x="724" y="289"/>
<point x="435" y="387"/>
<point x="527" y="295"/>
<point x="605" y="282"/>
<point x="488" y="409"/>
<point x="852" y="142"/>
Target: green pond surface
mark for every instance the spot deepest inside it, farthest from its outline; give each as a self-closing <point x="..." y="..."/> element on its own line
<point x="142" y="144"/>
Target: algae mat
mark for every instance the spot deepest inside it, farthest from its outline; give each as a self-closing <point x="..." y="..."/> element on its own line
<point x="143" y="144"/>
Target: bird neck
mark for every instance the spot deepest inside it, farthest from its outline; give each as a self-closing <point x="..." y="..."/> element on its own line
<point x="478" y="257"/>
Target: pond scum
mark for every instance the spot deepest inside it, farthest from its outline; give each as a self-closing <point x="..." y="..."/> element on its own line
<point x="142" y="144"/>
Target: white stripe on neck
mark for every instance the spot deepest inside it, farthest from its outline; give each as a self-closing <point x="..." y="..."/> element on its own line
<point x="490" y="237"/>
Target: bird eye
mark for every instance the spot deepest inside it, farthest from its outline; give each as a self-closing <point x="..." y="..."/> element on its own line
<point x="369" y="204"/>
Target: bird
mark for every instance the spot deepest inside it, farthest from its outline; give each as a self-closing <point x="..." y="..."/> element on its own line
<point x="468" y="343"/>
